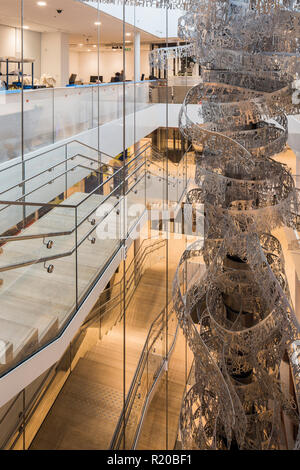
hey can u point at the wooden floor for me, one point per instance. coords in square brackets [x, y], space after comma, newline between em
[86, 411]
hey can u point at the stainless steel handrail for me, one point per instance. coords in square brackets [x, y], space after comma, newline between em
[100, 152]
[119, 171]
[142, 254]
[46, 235]
[149, 393]
[49, 170]
[75, 247]
[184, 393]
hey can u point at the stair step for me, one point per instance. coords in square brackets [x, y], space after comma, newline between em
[6, 351]
[83, 404]
[46, 325]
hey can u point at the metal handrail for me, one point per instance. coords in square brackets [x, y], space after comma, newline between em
[33, 404]
[115, 442]
[46, 235]
[75, 247]
[100, 152]
[121, 169]
[49, 170]
[149, 393]
[184, 394]
[78, 244]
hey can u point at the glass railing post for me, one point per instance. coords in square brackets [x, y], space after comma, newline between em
[121, 299]
[53, 126]
[147, 366]
[76, 258]
[145, 185]
[66, 168]
[54, 118]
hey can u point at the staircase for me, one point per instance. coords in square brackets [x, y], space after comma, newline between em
[36, 304]
[93, 394]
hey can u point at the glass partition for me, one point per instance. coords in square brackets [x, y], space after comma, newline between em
[87, 172]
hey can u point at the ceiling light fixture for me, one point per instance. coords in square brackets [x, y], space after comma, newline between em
[25, 27]
[97, 23]
[128, 34]
[41, 4]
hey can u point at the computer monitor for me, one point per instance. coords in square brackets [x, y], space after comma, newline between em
[72, 79]
[95, 78]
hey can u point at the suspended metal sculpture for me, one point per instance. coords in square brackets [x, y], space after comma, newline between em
[237, 316]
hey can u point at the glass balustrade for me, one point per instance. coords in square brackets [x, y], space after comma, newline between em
[64, 245]
[55, 114]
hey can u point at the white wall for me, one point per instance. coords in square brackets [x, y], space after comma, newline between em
[74, 63]
[7, 41]
[10, 46]
[85, 64]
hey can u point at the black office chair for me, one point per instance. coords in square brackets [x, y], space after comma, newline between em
[143, 77]
[72, 79]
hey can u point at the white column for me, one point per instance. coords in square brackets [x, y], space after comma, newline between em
[55, 56]
[137, 56]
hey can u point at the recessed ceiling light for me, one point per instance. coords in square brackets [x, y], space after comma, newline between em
[128, 34]
[41, 4]
[94, 45]
[25, 27]
[80, 45]
[89, 50]
[97, 23]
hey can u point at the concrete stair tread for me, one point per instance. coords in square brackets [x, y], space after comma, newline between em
[6, 351]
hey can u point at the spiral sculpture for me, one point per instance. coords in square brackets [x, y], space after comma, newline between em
[236, 311]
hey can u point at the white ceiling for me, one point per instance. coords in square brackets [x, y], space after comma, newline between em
[76, 19]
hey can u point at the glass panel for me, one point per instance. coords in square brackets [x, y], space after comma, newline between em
[10, 417]
[10, 114]
[48, 231]
[31, 314]
[98, 238]
[73, 111]
[110, 96]
[38, 119]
